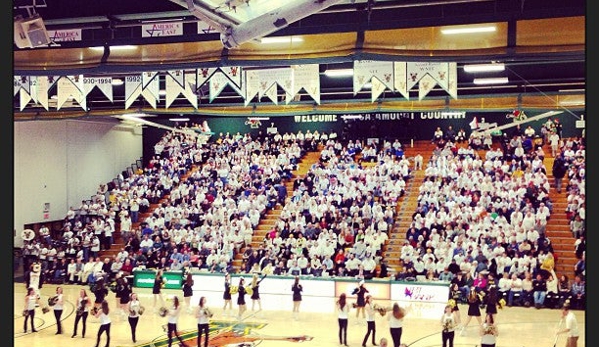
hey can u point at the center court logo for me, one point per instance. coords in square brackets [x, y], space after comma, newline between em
[224, 333]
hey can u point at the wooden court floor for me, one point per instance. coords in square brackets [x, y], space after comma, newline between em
[518, 326]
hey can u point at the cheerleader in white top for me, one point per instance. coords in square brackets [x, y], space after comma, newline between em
[105, 322]
[31, 299]
[488, 332]
[57, 302]
[342, 318]
[134, 310]
[396, 323]
[81, 312]
[173, 317]
[203, 314]
[449, 321]
[370, 320]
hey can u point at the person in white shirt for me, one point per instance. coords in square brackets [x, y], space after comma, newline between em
[488, 332]
[203, 315]
[370, 320]
[173, 317]
[571, 327]
[395, 320]
[58, 306]
[342, 308]
[105, 323]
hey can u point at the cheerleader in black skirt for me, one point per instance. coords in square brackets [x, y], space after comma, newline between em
[474, 302]
[297, 289]
[256, 292]
[241, 298]
[360, 291]
[188, 291]
[492, 301]
[159, 282]
[454, 299]
[227, 297]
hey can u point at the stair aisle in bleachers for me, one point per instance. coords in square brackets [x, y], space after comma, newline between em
[406, 206]
[268, 221]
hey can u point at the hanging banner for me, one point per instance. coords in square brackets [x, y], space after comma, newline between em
[205, 28]
[162, 29]
[66, 35]
[271, 93]
[218, 82]
[33, 88]
[400, 82]
[132, 89]
[440, 74]
[43, 85]
[306, 77]
[377, 89]
[151, 87]
[21, 82]
[426, 84]
[102, 83]
[364, 70]
[176, 84]
[147, 77]
[452, 80]
[234, 74]
[24, 99]
[71, 86]
[250, 84]
[203, 75]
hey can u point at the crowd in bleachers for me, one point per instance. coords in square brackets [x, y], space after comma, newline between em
[477, 216]
[489, 216]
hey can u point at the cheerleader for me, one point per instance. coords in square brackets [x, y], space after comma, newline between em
[370, 320]
[159, 282]
[454, 298]
[342, 309]
[227, 296]
[188, 291]
[203, 315]
[100, 292]
[488, 332]
[360, 292]
[58, 306]
[173, 317]
[105, 323]
[124, 289]
[256, 292]
[492, 302]
[134, 309]
[241, 298]
[297, 289]
[82, 312]
[396, 324]
[31, 300]
[474, 302]
[449, 322]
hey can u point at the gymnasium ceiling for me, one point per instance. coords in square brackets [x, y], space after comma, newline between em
[541, 43]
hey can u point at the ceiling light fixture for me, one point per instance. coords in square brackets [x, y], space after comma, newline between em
[282, 39]
[572, 102]
[578, 90]
[493, 80]
[484, 67]
[114, 48]
[180, 119]
[258, 118]
[117, 82]
[469, 30]
[339, 73]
